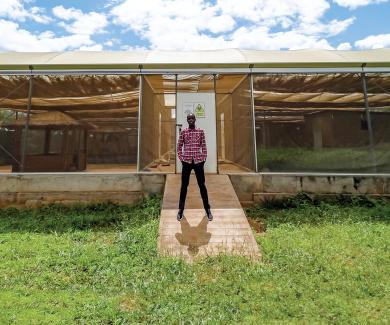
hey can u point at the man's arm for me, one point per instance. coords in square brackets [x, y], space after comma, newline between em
[180, 146]
[203, 145]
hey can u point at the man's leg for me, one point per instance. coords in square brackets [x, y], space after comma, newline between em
[185, 179]
[199, 172]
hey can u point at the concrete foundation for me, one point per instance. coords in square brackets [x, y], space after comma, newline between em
[253, 188]
[33, 190]
[68, 188]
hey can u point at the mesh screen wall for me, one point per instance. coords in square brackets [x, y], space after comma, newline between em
[157, 151]
[378, 89]
[13, 106]
[80, 123]
[311, 123]
[235, 124]
[303, 122]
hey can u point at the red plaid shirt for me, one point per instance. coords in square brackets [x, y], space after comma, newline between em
[194, 143]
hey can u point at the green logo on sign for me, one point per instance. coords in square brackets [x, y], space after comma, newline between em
[199, 110]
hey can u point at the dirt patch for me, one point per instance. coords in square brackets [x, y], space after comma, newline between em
[258, 226]
[128, 304]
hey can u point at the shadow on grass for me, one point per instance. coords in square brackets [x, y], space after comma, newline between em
[95, 217]
[304, 209]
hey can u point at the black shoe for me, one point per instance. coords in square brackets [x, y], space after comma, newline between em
[209, 215]
[180, 215]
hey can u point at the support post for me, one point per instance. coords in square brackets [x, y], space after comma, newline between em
[176, 138]
[26, 125]
[253, 121]
[369, 124]
[139, 121]
[216, 117]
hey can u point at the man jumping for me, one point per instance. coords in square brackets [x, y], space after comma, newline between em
[192, 152]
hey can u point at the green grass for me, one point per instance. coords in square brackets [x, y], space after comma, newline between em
[323, 262]
[297, 159]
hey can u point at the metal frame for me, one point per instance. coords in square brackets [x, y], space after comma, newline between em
[176, 139]
[216, 118]
[250, 71]
[139, 122]
[24, 140]
[321, 70]
[248, 173]
[324, 174]
[369, 124]
[245, 70]
[253, 122]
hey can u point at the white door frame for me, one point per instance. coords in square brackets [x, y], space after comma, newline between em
[186, 100]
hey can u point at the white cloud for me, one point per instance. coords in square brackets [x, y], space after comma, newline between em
[174, 24]
[78, 22]
[14, 9]
[221, 24]
[353, 4]
[331, 28]
[81, 27]
[18, 39]
[66, 14]
[38, 14]
[110, 3]
[344, 47]
[183, 41]
[196, 15]
[263, 10]
[197, 24]
[185, 25]
[261, 38]
[374, 42]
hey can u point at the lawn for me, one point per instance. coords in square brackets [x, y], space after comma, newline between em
[323, 262]
[299, 159]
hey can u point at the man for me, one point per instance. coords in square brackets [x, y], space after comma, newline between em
[192, 152]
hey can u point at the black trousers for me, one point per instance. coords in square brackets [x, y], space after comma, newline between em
[185, 179]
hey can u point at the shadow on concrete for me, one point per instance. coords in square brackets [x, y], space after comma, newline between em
[193, 237]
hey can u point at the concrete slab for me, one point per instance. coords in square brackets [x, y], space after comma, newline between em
[194, 236]
[34, 189]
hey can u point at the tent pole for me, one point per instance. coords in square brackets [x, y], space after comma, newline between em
[216, 115]
[24, 140]
[369, 124]
[176, 135]
[253, 122]
[141, 78]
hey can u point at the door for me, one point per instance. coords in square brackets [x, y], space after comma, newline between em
[203, 106]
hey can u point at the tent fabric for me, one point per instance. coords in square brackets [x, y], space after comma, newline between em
[230, 58]
[47, 119]
[118, 95]
[74, 101]
[325, 97]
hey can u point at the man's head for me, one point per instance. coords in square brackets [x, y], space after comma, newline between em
[191, 120]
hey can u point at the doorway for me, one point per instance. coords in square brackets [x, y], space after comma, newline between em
[203, 106]
[223, 108]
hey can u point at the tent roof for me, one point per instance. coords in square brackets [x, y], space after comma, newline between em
[47, 119]
[230, 58]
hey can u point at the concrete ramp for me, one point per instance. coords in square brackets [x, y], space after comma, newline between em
[229, 232]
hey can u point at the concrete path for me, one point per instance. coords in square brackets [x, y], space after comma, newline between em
[229, 232]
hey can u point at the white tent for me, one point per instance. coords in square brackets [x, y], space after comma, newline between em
[230, 58]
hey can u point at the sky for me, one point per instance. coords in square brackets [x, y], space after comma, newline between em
[185, 25]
